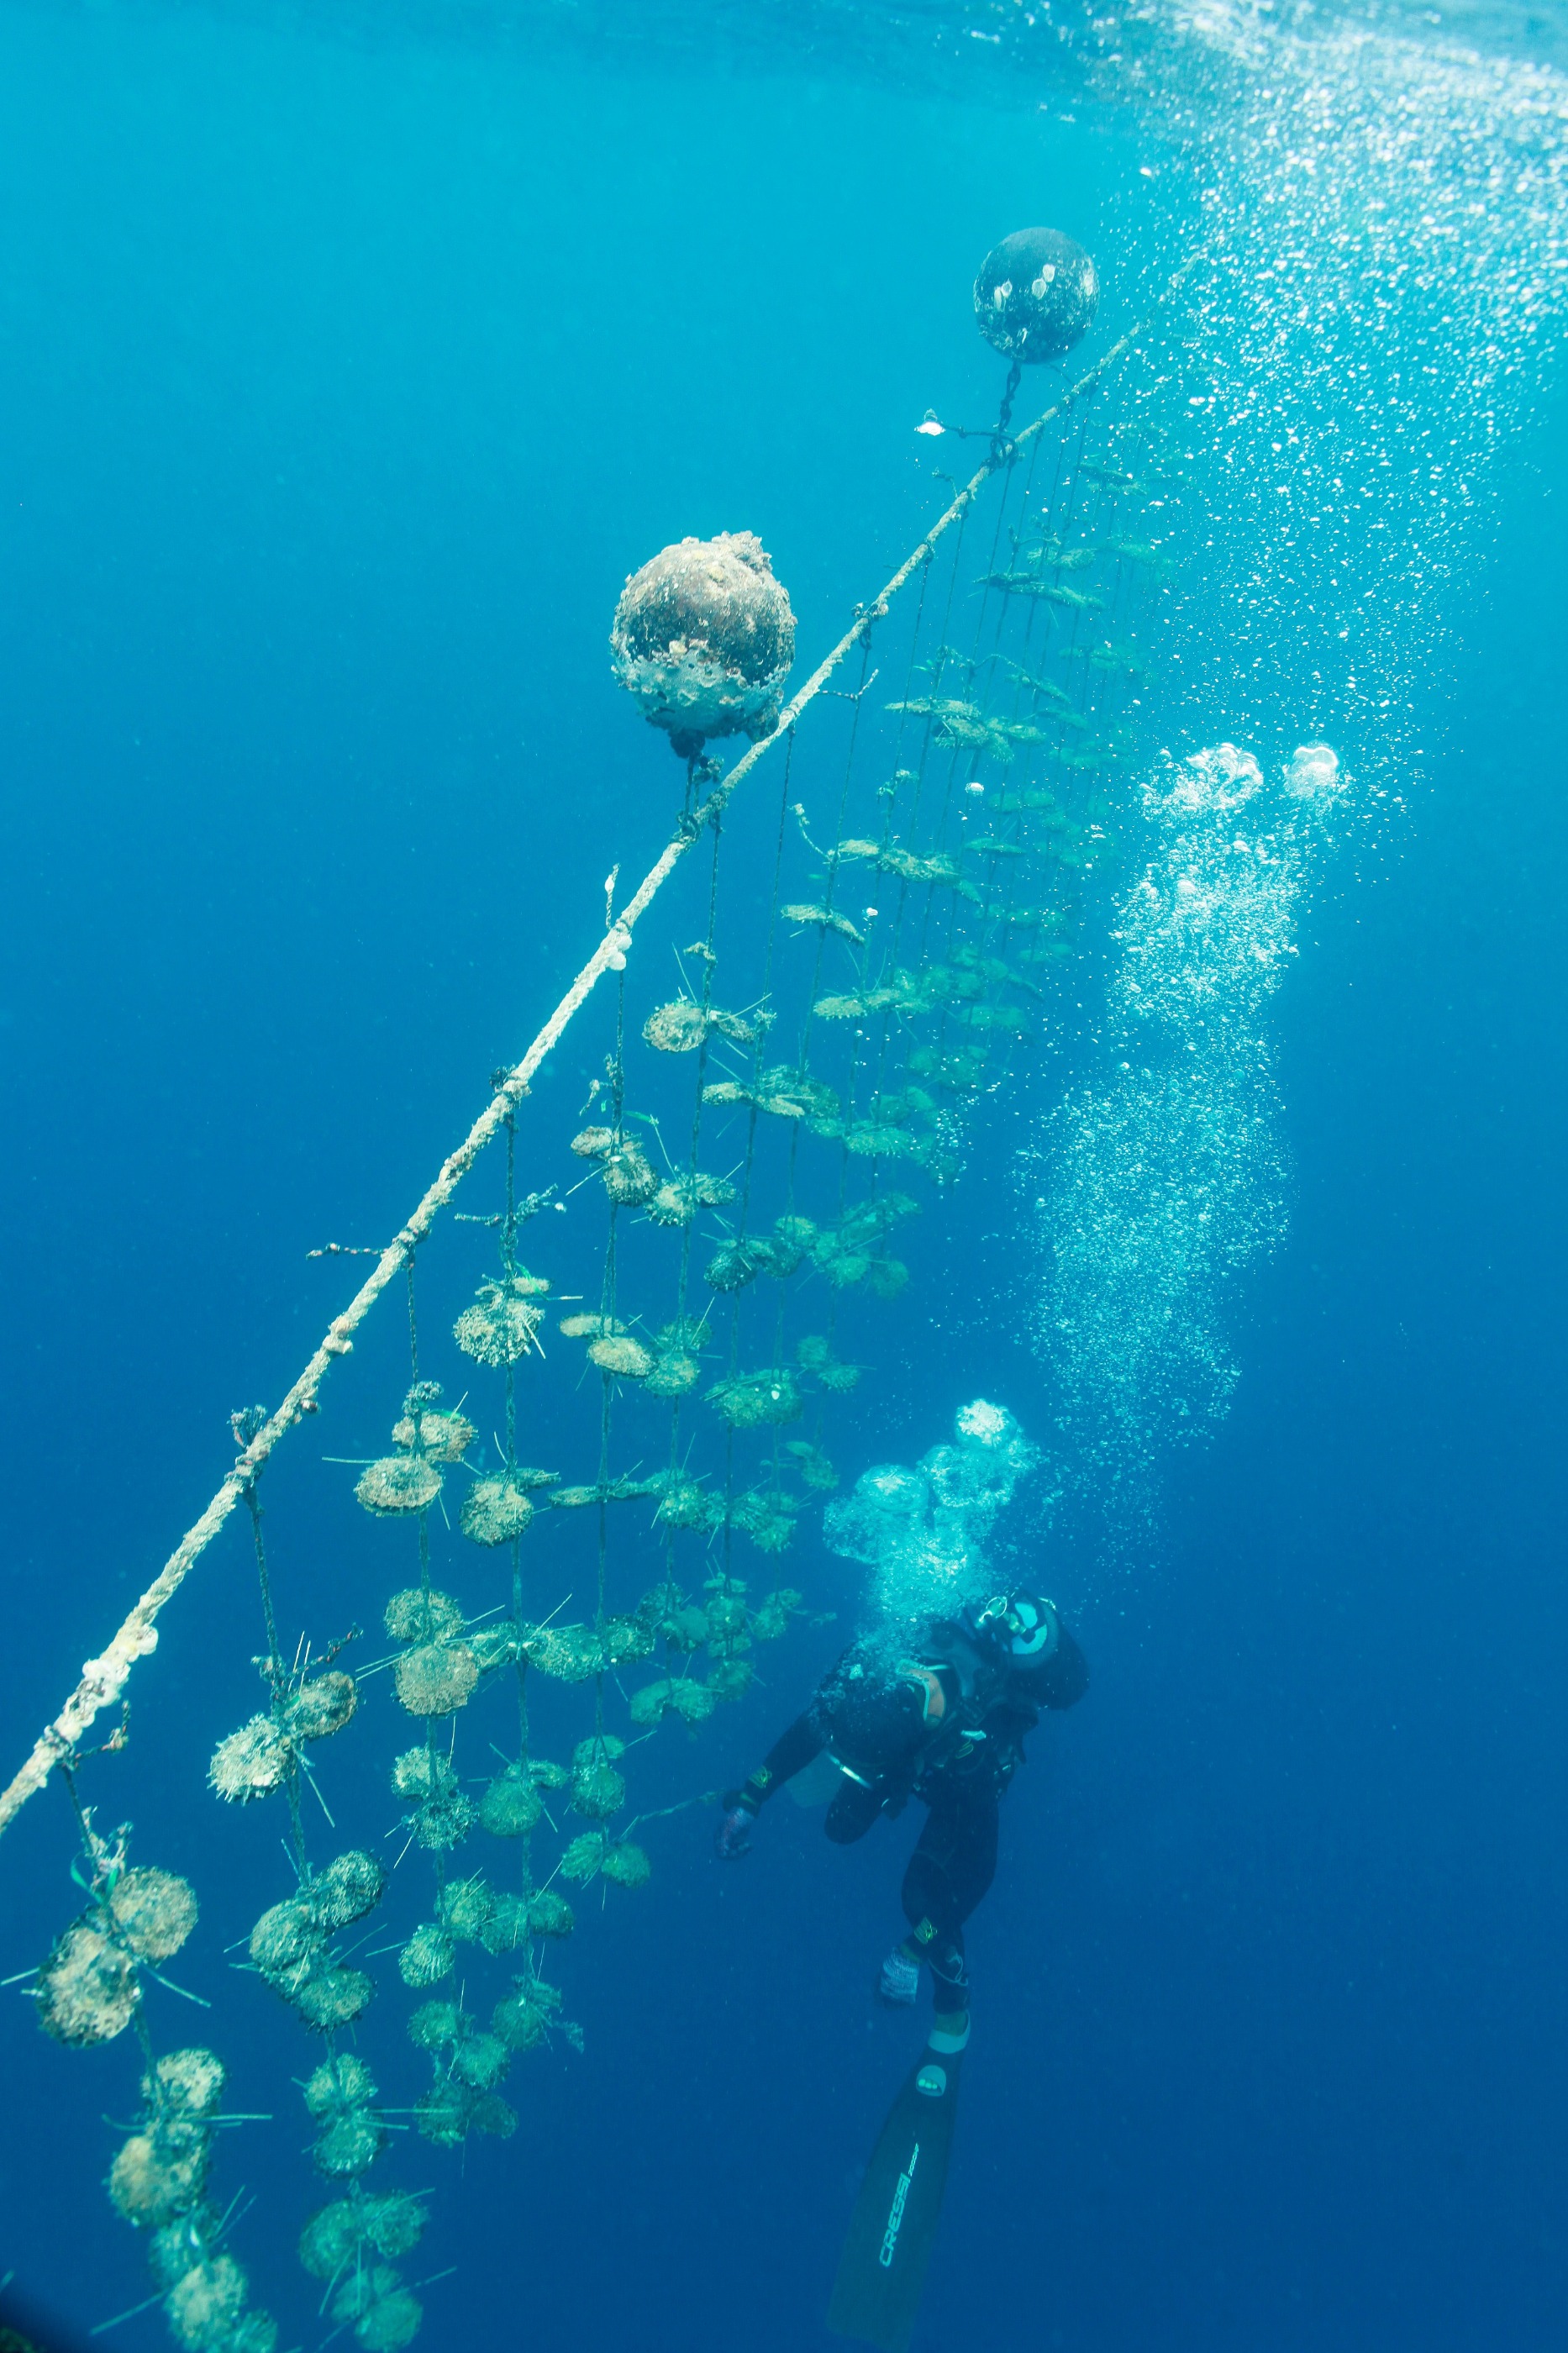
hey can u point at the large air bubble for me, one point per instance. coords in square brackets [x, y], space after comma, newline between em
[924, 1531]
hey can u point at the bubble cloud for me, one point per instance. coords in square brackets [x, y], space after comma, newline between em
[1166, 1173]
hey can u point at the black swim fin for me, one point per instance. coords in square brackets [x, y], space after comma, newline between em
[882, 2269]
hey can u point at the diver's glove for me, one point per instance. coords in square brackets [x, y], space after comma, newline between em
[733, 1839]
[898, 1986]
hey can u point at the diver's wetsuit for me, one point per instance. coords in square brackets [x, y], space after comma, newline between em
[948, 1726]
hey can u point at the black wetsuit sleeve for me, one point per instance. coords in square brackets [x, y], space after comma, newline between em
[789, 1755]
[1064, 1679]
[1060, 1682]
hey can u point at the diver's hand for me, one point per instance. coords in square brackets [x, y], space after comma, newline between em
[733, 1839]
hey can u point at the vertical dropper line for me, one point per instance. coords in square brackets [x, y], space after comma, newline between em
[729, 1507]
[67, 1765]
[910, 667]
[1074, 495]
[1004, 600]
[944, 650]
[1007, 602]
[275, 1677]
[603, 1481]
[734, 1363]
[417, 1413]
[959, 757]
[684, 1278]
[770, 944]
[889, 815]
[1068, 521]
[939, 667]
[986, 592]
[1048, 530]
[822, 935]
[1050, 505]
[519, 1664]
[768, 948]
[828, 900]
[838, 838]
[909, 680]
[751, 1118]
[1128, 594]
[509, 1270]
[508, 1223]
[865, 973]
[902, 905]
[772, 940]
[607, 1310]
[683, 1273]
[274, 1658]
[425, 1554]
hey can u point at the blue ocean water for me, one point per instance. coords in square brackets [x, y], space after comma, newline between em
[352, 360]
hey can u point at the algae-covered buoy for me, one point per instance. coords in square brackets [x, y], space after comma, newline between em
[1036, 296]
[704, 639]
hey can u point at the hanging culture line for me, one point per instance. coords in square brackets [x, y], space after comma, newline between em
[104, 1677]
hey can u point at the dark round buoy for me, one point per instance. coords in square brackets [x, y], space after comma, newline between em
[1036, 295]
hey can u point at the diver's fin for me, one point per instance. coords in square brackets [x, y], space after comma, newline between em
[882, 2269]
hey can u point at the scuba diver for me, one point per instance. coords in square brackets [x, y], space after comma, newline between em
[947, 1725]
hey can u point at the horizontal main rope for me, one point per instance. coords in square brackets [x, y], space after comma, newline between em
[104, 1678]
